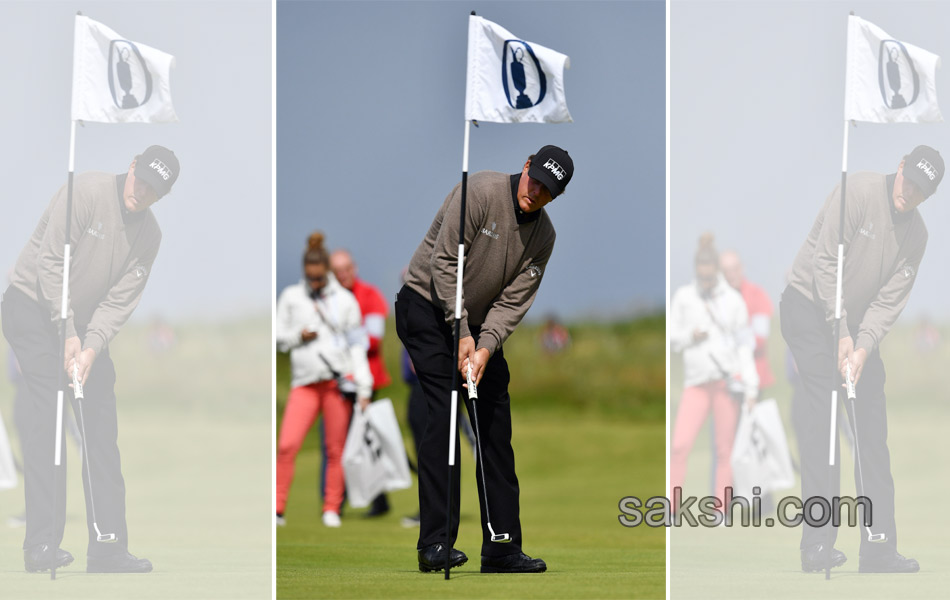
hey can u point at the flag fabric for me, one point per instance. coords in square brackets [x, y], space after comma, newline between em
[510, 80]
[119, 81]
[888, 81]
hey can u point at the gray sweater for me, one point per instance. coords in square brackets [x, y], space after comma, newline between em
[882, 254]
[110, 265]
[504, 261]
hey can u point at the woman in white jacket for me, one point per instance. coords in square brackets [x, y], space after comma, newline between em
[319, 323]
[709, 324]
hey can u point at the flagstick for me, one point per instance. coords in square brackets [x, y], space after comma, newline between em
[833, 429]
[453, 416]
[64, 308]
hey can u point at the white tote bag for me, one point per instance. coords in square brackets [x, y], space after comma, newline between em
[760, 456]
[374, 457]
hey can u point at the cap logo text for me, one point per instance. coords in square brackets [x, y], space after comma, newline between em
[556, 169]
[927, 168]
[160, 168]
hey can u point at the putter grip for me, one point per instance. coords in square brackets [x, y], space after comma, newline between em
[77, 386]
[472, 391]
[850, 383]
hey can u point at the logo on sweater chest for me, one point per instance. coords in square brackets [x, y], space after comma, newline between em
[491, 233]
[97, 232]
[868, 231]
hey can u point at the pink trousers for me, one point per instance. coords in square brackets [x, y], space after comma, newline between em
[304, 403]
[694, 407]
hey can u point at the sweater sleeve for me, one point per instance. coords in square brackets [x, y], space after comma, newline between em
[825, 265]
[444, 258]
[116, 308]
[892, 298]
[514, 301]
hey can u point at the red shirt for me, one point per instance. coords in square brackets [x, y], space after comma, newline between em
[759, 306]
[374, 310]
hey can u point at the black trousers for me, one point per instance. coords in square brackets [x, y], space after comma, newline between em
[35, 341]
[428, 339]
[810, 340]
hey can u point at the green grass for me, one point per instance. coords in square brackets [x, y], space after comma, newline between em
[195, 436]
[759, 562]
[588, 431]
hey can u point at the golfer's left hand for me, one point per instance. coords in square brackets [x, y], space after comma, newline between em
[857, 363]
[84, 361]
[478, 366]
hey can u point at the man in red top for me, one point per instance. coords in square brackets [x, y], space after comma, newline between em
[759, 306]
[374, 310]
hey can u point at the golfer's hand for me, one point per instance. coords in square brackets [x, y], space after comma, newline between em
[478, 366]
[466, 353]
[72, 350]
[84, 361]
[857, 363]
[845, 356]
[306, 335]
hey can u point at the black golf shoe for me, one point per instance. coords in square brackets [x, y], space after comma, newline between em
[432, 558]
[117, 563]
[891, 563]
[814, 558]
[513, 563]
[40, 558]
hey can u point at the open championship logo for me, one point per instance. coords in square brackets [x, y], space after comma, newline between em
[896, 75]
[521, 71]
[128, 69]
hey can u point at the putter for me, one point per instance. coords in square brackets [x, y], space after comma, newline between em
[501, 538]
[105, 538]
[876, 538]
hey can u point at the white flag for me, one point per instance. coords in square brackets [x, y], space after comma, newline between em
[510, 80]
[119, 81]
[888, 81]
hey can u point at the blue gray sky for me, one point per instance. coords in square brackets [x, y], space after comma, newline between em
[756, 130]
[370, 101]
[215, 259]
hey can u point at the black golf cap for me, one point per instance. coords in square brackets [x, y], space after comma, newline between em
[157, 166]
[924, 167]
[554, 168]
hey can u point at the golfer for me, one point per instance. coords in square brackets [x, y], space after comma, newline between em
[508, 239]
[319, 323]
[884, 242]
[114, 239]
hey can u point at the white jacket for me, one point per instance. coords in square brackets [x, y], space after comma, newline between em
[341, 341]
[729, 346]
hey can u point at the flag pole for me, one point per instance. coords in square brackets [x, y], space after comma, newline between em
[64, 309]
[453, 416]
[839, 275]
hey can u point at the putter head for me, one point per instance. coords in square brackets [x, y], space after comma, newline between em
[501, 538]
[104, 538]
[876, 538]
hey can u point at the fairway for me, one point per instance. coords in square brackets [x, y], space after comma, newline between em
[195, 438]
[760, 562]
[577, 455]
